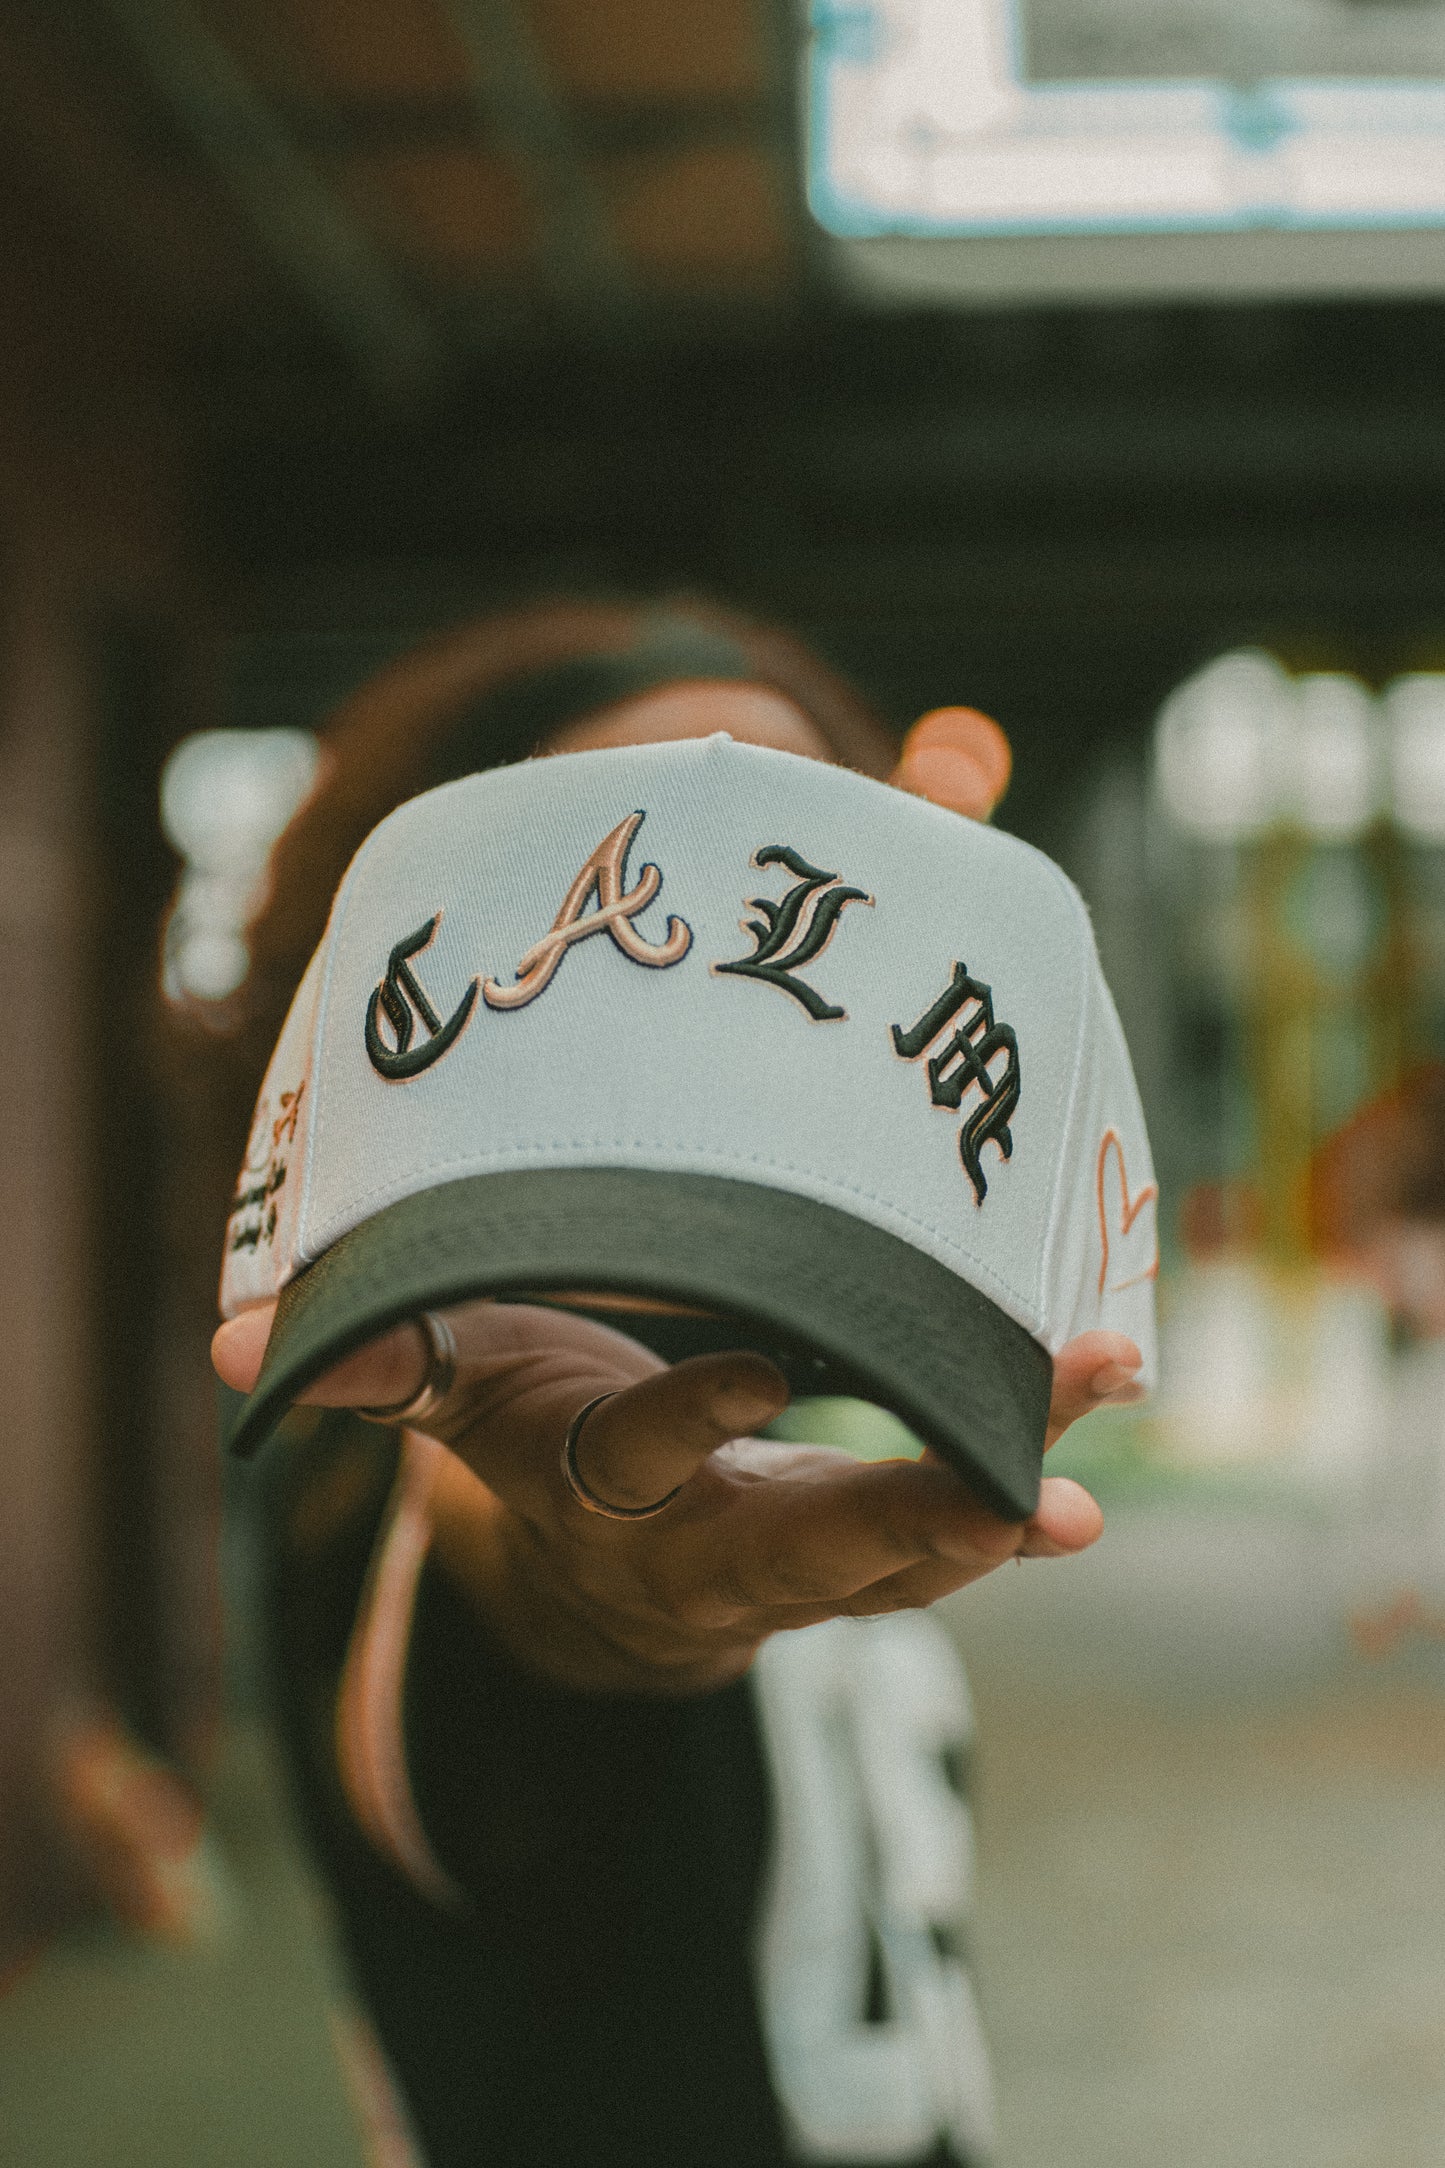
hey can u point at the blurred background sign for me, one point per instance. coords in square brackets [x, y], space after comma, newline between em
[1302, 146]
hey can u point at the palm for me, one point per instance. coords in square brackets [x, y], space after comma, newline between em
[761, 1538]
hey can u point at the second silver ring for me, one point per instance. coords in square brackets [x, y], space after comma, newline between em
[582, 1490]
[441, 1376]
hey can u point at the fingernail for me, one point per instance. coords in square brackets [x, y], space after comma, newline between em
[1109, 1377]
[1044, 1547]
[740, 1412]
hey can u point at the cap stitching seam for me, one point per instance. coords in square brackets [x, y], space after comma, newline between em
[1078, 911]
[1066, 1135]
[331, 941]
[695, 1160]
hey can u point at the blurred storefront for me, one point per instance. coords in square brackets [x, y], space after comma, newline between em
[1268, 883]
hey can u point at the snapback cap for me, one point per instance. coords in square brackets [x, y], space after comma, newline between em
[823, 1064]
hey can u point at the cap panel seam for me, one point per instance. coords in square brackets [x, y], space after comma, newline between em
[1064, 1164]
[331, 943]
[698, 1161]
[1065, 1103]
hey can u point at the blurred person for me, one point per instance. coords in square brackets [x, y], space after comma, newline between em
[541, 1764]
[1377, 1200]
[135, 1828]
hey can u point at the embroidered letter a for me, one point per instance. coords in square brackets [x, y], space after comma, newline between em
[605, 872]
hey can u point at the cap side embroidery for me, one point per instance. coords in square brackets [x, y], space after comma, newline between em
[402, 999]
[604, 873]
[1129, 1210]
[263, 1174]
[961, 1065]
[795, 931]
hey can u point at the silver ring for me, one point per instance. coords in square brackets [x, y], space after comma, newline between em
[441, 1376]
[582, 1491]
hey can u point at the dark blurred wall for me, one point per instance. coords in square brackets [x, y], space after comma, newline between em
[1054, 514]
[91, 536]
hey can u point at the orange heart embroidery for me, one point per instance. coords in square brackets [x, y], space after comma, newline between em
[1129, 1210]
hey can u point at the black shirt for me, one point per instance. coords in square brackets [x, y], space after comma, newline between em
[591, 1999]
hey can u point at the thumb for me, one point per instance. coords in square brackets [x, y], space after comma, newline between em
[238, 1346]
[380, 1375]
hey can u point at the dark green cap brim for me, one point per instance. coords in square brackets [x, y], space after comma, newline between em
[844, 1306]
